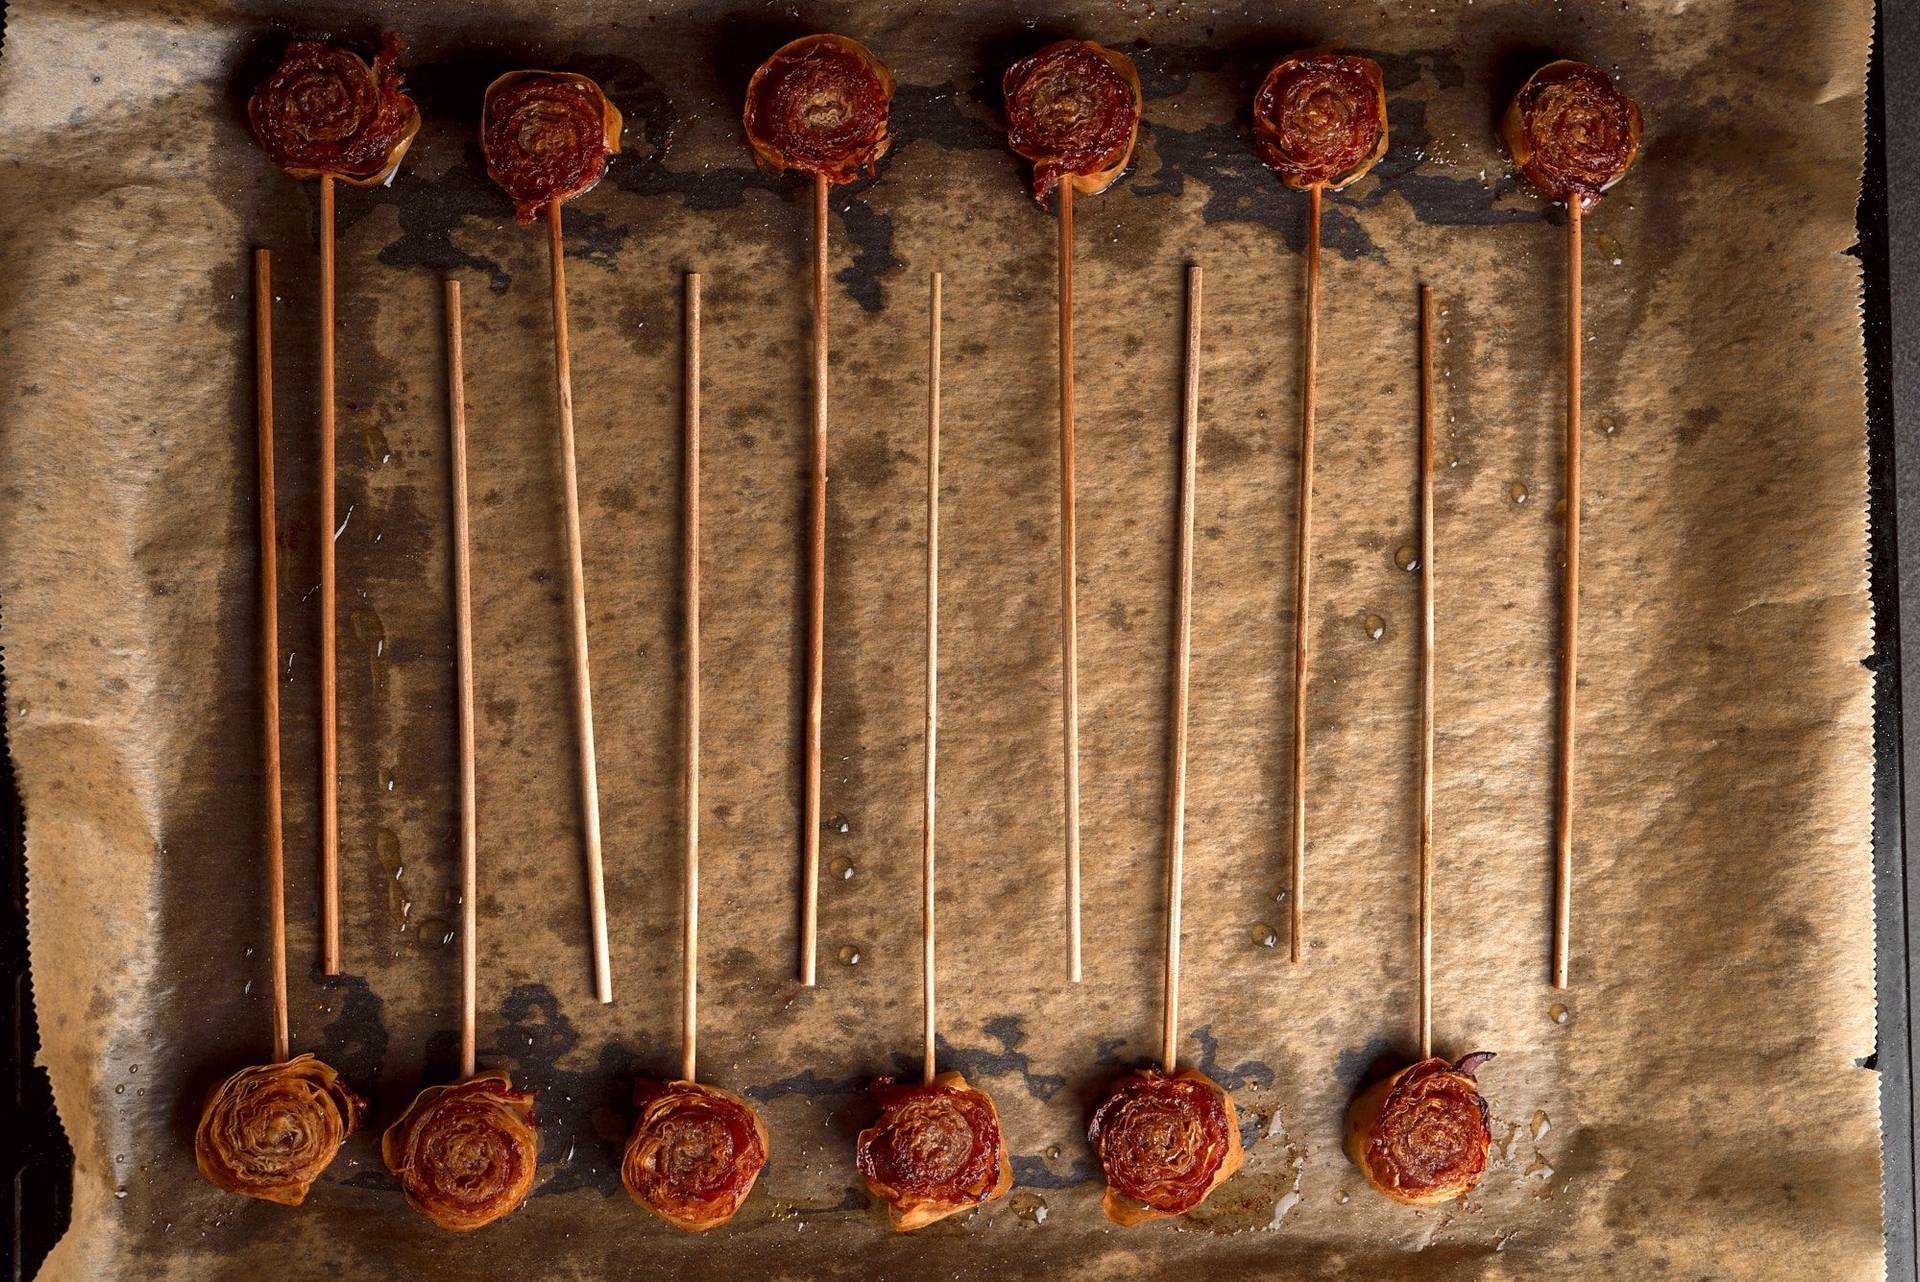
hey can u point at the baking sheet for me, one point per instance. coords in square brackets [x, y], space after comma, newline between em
[1700, 1112]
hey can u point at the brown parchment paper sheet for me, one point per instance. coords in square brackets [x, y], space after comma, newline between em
[1699, 1114]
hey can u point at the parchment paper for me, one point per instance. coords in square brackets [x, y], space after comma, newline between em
[1701, 1112]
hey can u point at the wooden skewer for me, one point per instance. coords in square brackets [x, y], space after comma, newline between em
[1569, 620]
[1302, 612]
[1426, 671]
[577, 594]
[463, 664]
[1182, 649]
[690, 881]
[270, 642]
[933, 667]
[1069, 614]
[816, 598]
[329, 672]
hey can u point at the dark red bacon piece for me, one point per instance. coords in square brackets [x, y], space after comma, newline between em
[694, 1154]
[1421, 1136]
[270, 1130]
[325, 113]
[1073, 109]
[819, 105]
[546, 136]
[1571, 132]
[1165, 1141]
[1320, 119]
[933, 1150]
[465, 1154]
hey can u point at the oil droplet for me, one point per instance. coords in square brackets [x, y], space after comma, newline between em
[1279, 896]
[841, 869]
[1538, 1168]
[849, 955]
[121, 1089]
[1609, 425]
[120, 1193]
[1264, 936]
[1053, 1151]
[1407, 557]
[1540, 1125]
[1559, 1013]
[1609, 248]
[133, 1068]
[1559, 507]
[839, 824]
[1340, 1196]
[368, 627]
[390, 781]
[377, 449]
[1517, 492]
[1376, 626]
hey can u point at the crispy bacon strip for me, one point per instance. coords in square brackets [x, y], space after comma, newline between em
[1320, 119]
[694, 1153]
[1165, 1142]
[325, 112]
[1421, 1136]
[933, 1150]
[819, 105]
[546, 136]
[1073, 109]
[1571, 132]
[465, 1154]
[269, 1131]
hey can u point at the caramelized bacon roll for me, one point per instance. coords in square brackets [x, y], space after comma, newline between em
[1320, 119]
[819, 105]
[1421, 1135]
[694, 1153]
[465, 1154]
[1073, 109]
[1571, 132]
[326, 113]
[269, 1131]
[933, 1150]
[1165, 1141]
[546, 136]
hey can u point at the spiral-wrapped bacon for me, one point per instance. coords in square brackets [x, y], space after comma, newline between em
[934, 1150]
[1571, 132]
[1165, 1141]
[694, 1153]
[465, 1154]
[1421, 1136]
[270, 1130]
[819, 105]
[546, 136]
[1320, 119]
[326, 113]
[1073, 109]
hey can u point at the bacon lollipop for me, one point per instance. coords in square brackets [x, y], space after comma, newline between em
[465, 1154]
[820, 106]
[326, 114]
[1573, 135]
[1421, 1136]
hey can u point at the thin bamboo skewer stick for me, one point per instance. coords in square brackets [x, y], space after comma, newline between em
[1069, 613]
[1426, 671]
[1310, 364]
[270, 643]
[1183, 645]
[933, 670]
[329, 671]
[463, 664]
[816, 599]
[690, 884]
[1569, 621]
[577, 593]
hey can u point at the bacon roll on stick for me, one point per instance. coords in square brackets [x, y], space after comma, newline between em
[1167, 1138]
[695, 1150]
[325, 114]
[270, 1131]
[464, 1153]
[1073, 109]
[1320, 122]
[818, 106]
[1573, 135]
[546, 136]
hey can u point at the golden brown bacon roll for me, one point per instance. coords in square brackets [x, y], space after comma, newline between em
[1320, 119]
[1571, 132]
[546, 136]
[1165, 1142]
[1421, 1135]
[694, 1153]
[933, 1150]
[465, 1154]
[327, 113]
[1073, 109]
[819, 105]
[269, 1131]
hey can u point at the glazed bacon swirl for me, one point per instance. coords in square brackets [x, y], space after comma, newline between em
[933, 1150]
[1571, 132]
[819, 105]
[1165, 1141]
[1320, 119]
[327, 113]
[269, 1131]
[546, 136]
[1421, 1136]
[1073, 109]
[694, 1153]
[465, 1154]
